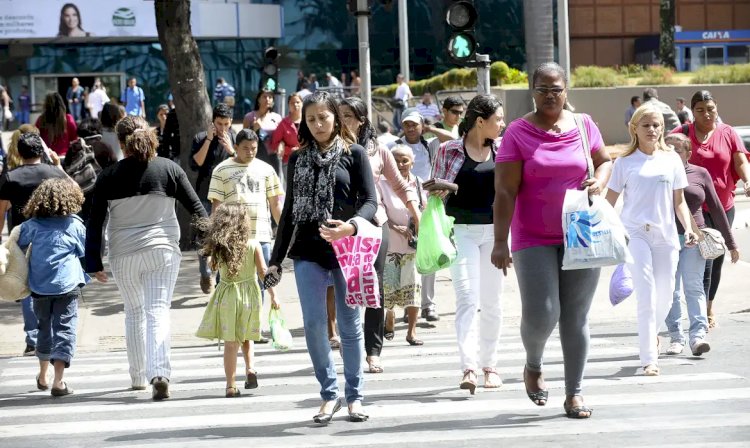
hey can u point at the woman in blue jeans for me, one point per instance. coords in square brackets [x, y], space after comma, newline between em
[329, 182]
[691, 266]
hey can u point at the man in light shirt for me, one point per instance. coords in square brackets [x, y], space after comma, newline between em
[681, 107]
[428, 108]
[97, 99]
[400, 101]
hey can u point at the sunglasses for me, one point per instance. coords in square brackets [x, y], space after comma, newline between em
[555, 91]
[456, 111]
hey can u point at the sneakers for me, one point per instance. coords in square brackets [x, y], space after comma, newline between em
[29, 351]
[160, 388]
[699, 347]
[675, 348]
[430, 315]
[207, 284]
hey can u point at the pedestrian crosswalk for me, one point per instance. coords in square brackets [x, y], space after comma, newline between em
[416, 401]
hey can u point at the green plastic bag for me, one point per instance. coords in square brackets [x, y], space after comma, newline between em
[281, 336]
[436, 249]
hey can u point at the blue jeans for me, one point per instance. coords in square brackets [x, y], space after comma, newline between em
[690, 273]
[312, 282]
[58, 318]
[30, 323]
[75, 111]
[203, 266]
[23, 116]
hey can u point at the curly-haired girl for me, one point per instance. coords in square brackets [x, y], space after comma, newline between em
[233, 312]
[55, 273]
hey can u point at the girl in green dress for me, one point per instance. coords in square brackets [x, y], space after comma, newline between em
[233, 312]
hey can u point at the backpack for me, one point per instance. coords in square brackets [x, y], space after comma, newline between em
[81, 165]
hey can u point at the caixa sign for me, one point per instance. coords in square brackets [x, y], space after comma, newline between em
[712, 36]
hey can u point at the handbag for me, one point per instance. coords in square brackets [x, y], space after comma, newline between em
[712, 246]
[593, 234]
[14, 269]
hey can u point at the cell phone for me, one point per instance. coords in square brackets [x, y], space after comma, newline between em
[271, 280]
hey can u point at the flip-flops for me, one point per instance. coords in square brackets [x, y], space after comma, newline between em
[414, 341]
[56, 392]
[232, 392]
[41, 386]
[251, 382]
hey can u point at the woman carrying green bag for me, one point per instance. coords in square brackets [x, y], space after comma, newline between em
[470, 163]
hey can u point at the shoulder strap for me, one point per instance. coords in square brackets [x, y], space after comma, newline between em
[586, 146]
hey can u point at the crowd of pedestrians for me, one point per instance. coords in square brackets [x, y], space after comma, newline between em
[321, 173]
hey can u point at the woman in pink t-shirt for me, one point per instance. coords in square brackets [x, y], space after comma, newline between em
[540, 157]
[718, 149]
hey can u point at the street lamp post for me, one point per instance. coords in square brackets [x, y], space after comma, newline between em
[563, 35]
[403, 39]
[363, 29]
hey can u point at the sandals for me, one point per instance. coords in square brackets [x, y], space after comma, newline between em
[389, 334]
[539, 397]
[492, 379]
[251, 382]
[374, 367]
[651, 370]
[325, 418]
[469, 381]
[576, 411]
[232, 392]
[335, 343]
[358, 416]
[414, 341]
[56, 392]
[41, 386]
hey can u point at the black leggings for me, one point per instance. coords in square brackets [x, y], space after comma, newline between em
[712, 274]
[375, 317]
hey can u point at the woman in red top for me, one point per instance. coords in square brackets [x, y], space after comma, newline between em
[284, 139]
[718, 149]
[56, 127]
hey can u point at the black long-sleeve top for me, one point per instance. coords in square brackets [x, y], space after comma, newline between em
[140, 197]
[354, 195]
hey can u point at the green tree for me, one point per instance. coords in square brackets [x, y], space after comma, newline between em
[666, 36]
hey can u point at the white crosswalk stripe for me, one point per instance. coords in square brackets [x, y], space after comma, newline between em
[412, 402]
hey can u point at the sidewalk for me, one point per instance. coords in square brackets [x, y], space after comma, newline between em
[102, 321]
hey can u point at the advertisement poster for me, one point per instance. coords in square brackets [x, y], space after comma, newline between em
[81, 19]
[356, 256]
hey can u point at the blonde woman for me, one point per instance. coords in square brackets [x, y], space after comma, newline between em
[652, 179]
[12, 158]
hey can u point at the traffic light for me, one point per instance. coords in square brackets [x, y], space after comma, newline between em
[461, 16]
[270, 76]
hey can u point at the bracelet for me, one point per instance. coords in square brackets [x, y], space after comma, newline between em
[209, 140]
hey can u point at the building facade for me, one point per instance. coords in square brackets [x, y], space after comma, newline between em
[620, 32]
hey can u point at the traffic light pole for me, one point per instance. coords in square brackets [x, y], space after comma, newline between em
[363, 29]
[483, 73]
[403, 39]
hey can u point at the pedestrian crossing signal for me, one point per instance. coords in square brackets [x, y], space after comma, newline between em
[461, 15]
[270, 76]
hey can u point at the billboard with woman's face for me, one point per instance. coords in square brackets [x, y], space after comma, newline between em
[44, 19]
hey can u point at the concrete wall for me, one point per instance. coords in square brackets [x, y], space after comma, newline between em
[607, 105]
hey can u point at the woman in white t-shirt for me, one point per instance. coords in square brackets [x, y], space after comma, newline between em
[651, 177]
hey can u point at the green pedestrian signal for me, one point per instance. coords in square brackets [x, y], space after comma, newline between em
[270, 85]
[461, 15]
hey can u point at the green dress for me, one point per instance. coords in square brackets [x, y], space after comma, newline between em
[233, 312]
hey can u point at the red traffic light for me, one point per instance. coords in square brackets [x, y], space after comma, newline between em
[461, 15]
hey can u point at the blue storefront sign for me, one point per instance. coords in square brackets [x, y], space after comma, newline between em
[698, 48]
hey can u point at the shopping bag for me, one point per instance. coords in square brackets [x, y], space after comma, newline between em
[281, 336]
[620, 285]
[356, 256]
[593, 233]
[436, 249]
[14, 269]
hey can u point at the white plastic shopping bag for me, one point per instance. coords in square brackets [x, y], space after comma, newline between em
[593, 233]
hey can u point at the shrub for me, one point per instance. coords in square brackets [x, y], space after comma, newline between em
[657, 75]
[594, 76]
[499, 73]
[722, 74]
[630, 70]
[458, 78]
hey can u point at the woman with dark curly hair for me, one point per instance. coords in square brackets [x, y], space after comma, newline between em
[56, 127]
[144, 254]
[354, 116]
[55, 274]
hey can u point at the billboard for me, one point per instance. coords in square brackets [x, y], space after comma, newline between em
[80, 19]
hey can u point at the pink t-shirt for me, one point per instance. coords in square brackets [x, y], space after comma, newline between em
[552, 164]
[717, 156]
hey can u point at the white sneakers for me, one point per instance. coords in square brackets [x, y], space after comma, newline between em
[675, 348]
[699, 347]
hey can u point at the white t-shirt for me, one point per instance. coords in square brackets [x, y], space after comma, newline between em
[648, 184]
[403, 92]
[97, 99]
[386, 139]
[422, 165]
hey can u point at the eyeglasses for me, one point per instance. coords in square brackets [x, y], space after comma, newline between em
[456, 111]
[544, 91]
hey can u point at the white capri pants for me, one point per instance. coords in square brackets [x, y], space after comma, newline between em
[146, 280]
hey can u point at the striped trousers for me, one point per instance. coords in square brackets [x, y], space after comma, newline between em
[146, 280]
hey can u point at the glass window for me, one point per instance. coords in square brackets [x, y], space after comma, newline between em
[737, 54]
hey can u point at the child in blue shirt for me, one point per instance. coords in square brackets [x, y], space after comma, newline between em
[57, 239]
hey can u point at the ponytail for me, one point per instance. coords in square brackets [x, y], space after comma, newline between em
[141, 145]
